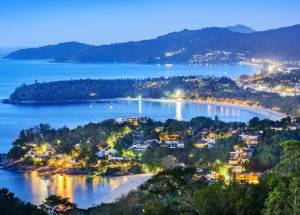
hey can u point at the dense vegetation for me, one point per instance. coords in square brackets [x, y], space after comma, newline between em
[187, 46]
[192, 87]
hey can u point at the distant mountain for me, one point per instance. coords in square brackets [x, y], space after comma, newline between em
[6, 50]
[240, 29]
[208, 45]
[49, 52]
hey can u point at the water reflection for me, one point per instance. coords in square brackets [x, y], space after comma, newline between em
[179, 111]
[140, 106]
[83, 190]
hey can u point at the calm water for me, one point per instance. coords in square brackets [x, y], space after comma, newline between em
[85, 191]
[82, 189]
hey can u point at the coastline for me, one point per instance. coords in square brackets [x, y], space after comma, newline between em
[248, 107]
[132, 183]
[52, 170]
[278, 115]
[104, 189]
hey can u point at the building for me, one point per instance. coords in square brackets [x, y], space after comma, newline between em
[159, 129]
[169, 137]
[250, 178]
[131, 120]
[110, 152]
[174, 144]
[101, 153]
[200, 144]
[112, 159]
[250, 139]
[140, 147]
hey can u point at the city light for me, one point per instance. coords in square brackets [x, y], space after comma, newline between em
[179, 94]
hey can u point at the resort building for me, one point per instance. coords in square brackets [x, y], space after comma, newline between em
[169, 137]
[174, 144]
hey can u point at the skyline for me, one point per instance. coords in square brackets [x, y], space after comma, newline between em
[35, 23]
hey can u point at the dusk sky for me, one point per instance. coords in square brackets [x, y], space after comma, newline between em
[39, 22]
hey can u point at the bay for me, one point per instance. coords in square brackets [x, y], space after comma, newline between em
[14, 118]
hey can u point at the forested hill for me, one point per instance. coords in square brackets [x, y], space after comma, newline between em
[208, 45]
[79, 90]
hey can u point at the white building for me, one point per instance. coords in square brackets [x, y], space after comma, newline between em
[174, 144]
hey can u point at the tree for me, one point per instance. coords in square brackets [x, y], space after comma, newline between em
[284, 182]
[254, 122]
[169, 162]
[11, 205]
[57, 205]
[154, 207]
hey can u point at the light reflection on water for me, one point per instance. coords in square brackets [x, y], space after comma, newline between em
[83, 190]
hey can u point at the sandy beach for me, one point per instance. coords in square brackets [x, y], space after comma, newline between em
[124, 184]
[275, 115]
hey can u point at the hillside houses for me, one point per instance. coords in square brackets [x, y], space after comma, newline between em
[240, 156]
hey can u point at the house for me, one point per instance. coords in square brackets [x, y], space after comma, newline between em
[293, 127]
[277, 128]
[159, 129]
[140, 147]
[150, 142]
[250, 178]
[110, 152]
[174, 144]
[131, 120]
[101, 153]
[202, 133]
[169, 137]
[211, 143]
[237, 168]
[200, 144]
[118, 159]
[250, 139]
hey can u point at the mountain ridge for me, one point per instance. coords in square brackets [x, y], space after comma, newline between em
[207, 45]
[239, 28]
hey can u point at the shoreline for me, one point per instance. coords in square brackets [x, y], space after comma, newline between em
[48, 171]
[277, 114]
[116, 186]
[244, 106]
